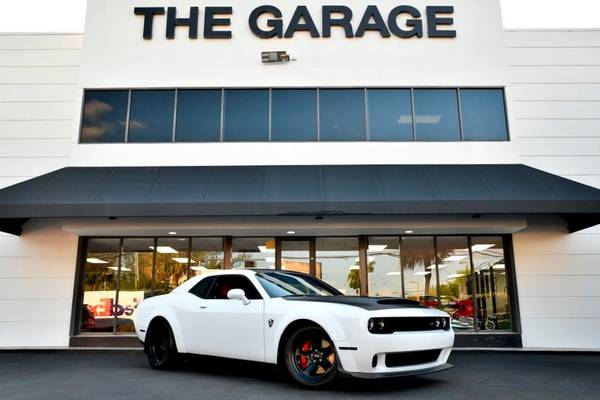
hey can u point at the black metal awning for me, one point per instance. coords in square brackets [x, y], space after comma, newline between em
[298, 190]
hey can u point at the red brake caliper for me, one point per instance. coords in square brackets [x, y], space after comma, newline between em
[303, 357]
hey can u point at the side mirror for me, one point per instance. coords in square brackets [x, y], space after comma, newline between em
[238, 294]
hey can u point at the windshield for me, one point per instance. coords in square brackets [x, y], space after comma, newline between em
[281, 284]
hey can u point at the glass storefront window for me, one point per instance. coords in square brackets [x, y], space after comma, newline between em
[483, 115]
[251, 253]
[100, 285]
[198, 116]
[385, 276]
[342, 115]
[467, 277]
[436, 114]
[295, 256]
[135, 280]
[338, 261]
[151, 116]
[207, 255]
[293, 115]
[246, 115]
[417, 255]
[390, 115]
[492, 283]
[456, 289]
[172, 269]
[104, 116]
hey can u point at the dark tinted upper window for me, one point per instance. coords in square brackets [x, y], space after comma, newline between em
[151, 116]
[390, 115]
[294, 115]
[198, 116]
[246, 115]
[225, 283]
[436, 113]
[104, 116]
[201, 289]
[342, 115]
[483, 114]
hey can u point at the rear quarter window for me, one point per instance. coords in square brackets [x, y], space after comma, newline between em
[201, 289]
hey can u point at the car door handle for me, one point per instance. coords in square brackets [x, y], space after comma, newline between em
[202, 307]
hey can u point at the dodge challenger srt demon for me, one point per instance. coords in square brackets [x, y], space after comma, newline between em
[296, 322]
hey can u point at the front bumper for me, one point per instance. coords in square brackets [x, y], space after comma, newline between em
[356, 357]
[376, 375]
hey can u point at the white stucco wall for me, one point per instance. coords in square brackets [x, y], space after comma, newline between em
[554, 95]
[37, 273]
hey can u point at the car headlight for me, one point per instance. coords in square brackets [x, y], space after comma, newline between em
[376, 325]
[440, 323]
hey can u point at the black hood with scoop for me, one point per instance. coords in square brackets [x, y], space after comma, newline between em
[367, 303]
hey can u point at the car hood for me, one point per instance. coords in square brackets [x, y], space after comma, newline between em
[367, 303]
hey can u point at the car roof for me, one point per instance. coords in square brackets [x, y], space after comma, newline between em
[187, 285]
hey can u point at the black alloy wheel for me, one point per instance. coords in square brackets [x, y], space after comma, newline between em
[310, 357]
[160, 346]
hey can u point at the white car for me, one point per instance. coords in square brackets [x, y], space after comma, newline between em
[295, 321]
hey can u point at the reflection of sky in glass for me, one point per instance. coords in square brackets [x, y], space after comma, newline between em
[390, 115]
[151, 116]
[294, 115]
[198, 116]
[483, 114]
[104, 116]
[384, 260]
[342, 115]
[246, 115]
[437, 115]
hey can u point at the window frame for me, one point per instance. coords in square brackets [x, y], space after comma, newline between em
[507, 241]
[365, 89]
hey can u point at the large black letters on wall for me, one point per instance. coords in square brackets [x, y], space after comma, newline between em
[268, 22]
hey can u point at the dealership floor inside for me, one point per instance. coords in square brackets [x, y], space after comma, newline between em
[125, 374]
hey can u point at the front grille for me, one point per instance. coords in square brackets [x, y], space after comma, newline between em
[408, 324]
[405, 359]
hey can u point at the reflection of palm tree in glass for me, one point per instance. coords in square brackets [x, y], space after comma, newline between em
[412, 257]
[354, 275]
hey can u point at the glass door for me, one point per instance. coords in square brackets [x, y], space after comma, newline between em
[296, 254]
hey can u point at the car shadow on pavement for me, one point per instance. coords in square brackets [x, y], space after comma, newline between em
[224, 367]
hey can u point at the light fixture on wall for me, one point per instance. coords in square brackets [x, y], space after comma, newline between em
[291, 232]
[271, 57]
[409, 231]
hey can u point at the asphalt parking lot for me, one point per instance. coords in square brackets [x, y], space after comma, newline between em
[126, 375]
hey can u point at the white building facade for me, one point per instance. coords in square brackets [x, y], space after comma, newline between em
[162, 116]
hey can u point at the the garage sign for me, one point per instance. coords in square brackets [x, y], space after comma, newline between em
[267, 21]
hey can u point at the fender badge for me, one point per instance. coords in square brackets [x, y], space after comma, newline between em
[270, 323]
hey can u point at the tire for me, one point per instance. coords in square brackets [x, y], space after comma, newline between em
[310, 357]
[160, 346]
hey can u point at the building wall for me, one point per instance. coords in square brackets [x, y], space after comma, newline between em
[121, 58]
[37, 273]
[39, 75]
[554, 97]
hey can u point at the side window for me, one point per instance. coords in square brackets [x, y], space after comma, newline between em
[201, 289]
[224, 284]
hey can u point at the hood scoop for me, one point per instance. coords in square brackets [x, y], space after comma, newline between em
[396, 301]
